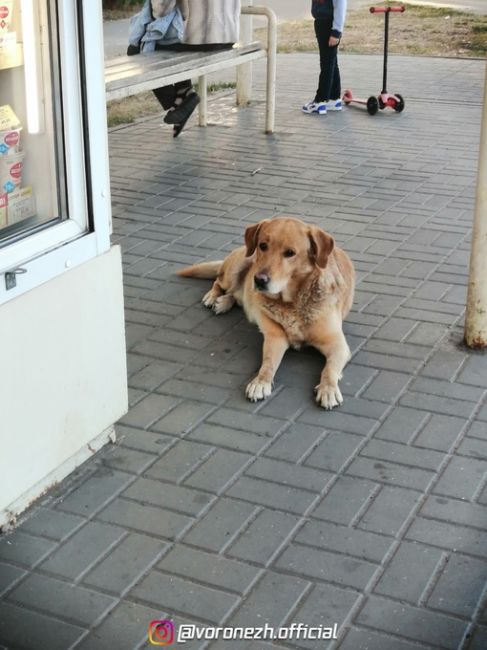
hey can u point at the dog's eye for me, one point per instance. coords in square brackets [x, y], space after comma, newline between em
[263, 246]
[289, 253]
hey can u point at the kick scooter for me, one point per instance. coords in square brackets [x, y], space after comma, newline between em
[384, 99]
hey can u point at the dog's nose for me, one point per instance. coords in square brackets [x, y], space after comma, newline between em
[261, 280]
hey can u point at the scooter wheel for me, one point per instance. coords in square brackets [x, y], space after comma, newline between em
[399, 107]
[372, 105]
[347, 97]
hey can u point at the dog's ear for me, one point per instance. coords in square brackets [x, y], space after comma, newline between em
[251, 237]
[321, 246]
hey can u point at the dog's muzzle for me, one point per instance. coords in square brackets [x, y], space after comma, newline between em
[261, 280]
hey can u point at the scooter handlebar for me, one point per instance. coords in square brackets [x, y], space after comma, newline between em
[383, 10]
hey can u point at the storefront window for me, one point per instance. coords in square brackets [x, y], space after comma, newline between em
[32, 167]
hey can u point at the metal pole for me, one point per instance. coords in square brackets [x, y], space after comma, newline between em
[386, 46]
[476, 316]
[244, 72]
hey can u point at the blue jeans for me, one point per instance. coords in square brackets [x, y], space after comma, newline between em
[329, 84]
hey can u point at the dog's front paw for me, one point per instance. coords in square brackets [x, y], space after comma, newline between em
[223, 303]
[209, 298]
[328, 395]
[258, 389]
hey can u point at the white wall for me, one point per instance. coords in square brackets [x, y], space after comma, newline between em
[64, 380]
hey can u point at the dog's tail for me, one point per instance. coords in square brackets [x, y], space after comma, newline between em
[205, 270]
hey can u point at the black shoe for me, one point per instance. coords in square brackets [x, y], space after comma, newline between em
[181, 114]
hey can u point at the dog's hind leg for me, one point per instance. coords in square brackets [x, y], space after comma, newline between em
[337, 353]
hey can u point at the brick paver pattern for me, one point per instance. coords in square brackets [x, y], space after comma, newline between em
[215, 511]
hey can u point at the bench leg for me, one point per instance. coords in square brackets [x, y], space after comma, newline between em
[203, 105]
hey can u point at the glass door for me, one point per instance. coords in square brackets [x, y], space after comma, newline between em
[32, 160]
[54, 180]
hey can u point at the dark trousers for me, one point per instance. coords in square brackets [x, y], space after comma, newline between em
[166, 95]
[329, 84]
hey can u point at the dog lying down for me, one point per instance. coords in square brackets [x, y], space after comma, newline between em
[297, 286]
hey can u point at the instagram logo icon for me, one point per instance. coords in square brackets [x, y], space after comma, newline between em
[161, 632]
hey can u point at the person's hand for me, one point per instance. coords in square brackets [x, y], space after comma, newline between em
[332, 41]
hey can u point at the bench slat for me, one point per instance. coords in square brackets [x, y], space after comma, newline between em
[143, 80]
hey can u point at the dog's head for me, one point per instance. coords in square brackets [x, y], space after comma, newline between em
[286, 250]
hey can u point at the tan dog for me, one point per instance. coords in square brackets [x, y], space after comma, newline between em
[297, 286]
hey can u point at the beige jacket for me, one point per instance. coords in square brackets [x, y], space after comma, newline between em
[211, 21]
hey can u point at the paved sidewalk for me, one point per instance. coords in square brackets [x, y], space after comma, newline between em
[214, 511]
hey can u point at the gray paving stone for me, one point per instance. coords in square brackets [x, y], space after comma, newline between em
[448, 536]
[179, 461]
[154, 374]
[473, 447]
[217, 528]
[295, 443]
[145, 518]
[176, 595]
[461, 478]
[73, 604]
[389, 510]
[436, 404]
[8, 575]
[23, 549]
[126, 562]
[147, 441]
[261, 540]
[384, 471]
[82, 550]
[440, 432]
[338, 421]
[343, 539]
[402, 454]
[149, 410]
[325, 605]
[41, 631]
[214, 474]
[345, 500]
[183, 418]
[334, 451]
[213, 434]
[209, 569]
[326, 566]
[455, 511]
[264, 426]
[165, 495]
[479, 639]
[365, 639]
[289, 499]
[410, 572]
[406, 621]
[93, 494]
[52, 524]
[288, 474]
[193, 391]
[401, 425]
[125, 627]
[460, 586]
[127, 460]
[271, 601]
[387, 386]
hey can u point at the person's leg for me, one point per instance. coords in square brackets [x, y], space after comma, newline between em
[329, 74]
[165, 96]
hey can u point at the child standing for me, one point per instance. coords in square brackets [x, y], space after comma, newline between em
[329, 18]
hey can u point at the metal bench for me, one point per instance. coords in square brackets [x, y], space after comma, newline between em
[130, 75]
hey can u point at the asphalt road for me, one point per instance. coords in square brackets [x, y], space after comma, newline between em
[116, 31]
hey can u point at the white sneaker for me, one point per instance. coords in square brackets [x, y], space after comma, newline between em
[315, 107]
[334, 104]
